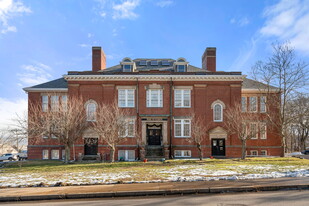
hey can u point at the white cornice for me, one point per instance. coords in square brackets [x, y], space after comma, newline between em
[154, 77]
[29, 89]
[260, 90]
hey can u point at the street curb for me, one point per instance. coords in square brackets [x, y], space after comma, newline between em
[213, 190]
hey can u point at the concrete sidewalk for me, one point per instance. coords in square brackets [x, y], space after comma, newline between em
[147, 189]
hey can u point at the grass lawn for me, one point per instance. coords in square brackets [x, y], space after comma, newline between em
[33, 173]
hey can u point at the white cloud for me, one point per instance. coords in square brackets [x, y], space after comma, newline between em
[125, 10]
[9, 109]
[288, 20]
[36, 73]
[164, 3]
[84, 45]
[240, 22]
[89, 35]
[8, 10]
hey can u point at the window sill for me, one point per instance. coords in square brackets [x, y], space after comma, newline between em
[126, 107]
[182, 136]
[218, 121]
[182, 107]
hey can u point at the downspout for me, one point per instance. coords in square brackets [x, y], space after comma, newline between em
[137, 119]
[74, 151]
[171, 113]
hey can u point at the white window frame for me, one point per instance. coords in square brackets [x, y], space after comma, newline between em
[252, 107]
[91, 117]
[64, 102]
[45, 103]
[54, 102]
[221, 113]
[159, 99]
[126, 69]
[182, 153]
[264, 151]
[184, 67]
[63, 154]
[57, 156]
[126, 155]
[256, 130]
[182, 98]
[45, 154]
[182, 123]
[129, 122]
[264, 136]
[263, 104]
[252, 151]
[126, 98]
[244, 104]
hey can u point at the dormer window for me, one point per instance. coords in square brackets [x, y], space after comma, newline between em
[143, 63]
[181, 68]
[127, 68]
[165, 63]
[154, 63]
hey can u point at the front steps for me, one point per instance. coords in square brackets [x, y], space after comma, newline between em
[154, 153]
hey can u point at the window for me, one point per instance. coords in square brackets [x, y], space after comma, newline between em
[243, 104]
[45, 154]
[54, 102]
[154, 98]
[64, 102]
[126, 155]
[253, 130]
[143, 63]
[44, 103]
[181, 68]
[182, 127]
[264, 152]
[154, 63]
[129, 130]
[263, 104]
[254, 152]
[253, 106]
[53, 136]
[218, 117]
[165, 63]
[182, 153]
[126, 97]
[63, 154]
[263, 131]
[55, 154]
[91, 111]
[127, 68]
[182, 98]
[45, 136]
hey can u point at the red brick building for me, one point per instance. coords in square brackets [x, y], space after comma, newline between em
[161, 95]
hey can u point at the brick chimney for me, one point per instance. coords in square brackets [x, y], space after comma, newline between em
[209, 59]
[98, 59]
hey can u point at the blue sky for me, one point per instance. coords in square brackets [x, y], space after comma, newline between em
[42, 40]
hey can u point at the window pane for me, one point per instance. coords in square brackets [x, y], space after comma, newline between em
[131, 126]
[181, 68]
[177, 129]
[45, 154]
[44, 103]
[263, 131]
[177, 98]
[243, 104]
[177, 153]
[64, 101]
[253, 131]
[262, 104]
[131, 154]
[127, 68]
[186, 130]
[91, 112]
[55, 154]
[217, 112]
[54, 102]
[253, 102]
[130, 98]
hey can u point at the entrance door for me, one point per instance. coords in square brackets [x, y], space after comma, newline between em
[218, 147]
[91, 146]
[154, 133]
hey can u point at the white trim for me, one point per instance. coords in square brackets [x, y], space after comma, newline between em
[162, 77]
[29, 89]
[259, 90]
[257, 153]
[182, 153]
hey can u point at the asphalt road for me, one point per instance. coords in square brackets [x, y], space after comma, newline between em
[281, 198]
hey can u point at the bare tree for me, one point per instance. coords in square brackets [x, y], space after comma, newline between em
[199, 129]
[241, 124]
[111, 125]
[298, 109]
[284, 74]
[4, 139]
[66, 121]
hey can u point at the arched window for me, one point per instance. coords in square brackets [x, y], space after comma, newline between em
[218, 107]
[91, 108]
[218, 113]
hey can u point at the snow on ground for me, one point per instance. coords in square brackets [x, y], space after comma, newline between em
[174, 173]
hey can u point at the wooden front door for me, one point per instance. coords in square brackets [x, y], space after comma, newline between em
[154, 133]
[91, 146]
[218, 147]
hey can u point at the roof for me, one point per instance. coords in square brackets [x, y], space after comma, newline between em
[252, 84]
[148, 66]
[57, 84]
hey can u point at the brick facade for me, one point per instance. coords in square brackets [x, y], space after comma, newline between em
[205, 89]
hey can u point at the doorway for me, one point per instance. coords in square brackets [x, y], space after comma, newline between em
[91, 146]
[218, 147]
[154, 134]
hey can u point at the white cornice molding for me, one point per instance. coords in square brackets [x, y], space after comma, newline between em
[29, 89]
[260, 90]
[154, 77]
